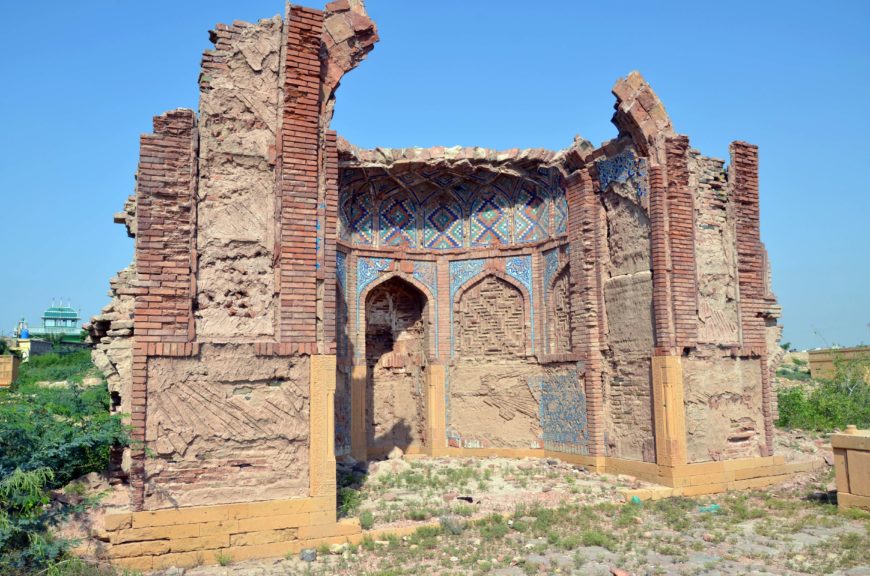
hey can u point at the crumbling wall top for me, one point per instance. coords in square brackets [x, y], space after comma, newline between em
[640, 114]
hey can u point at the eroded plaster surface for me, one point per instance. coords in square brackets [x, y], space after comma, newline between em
[236, 422]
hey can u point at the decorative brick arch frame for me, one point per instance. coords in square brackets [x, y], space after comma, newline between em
[527, 302]
[429, 305]
[550, 306]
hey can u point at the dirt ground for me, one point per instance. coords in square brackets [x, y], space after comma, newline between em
[538, 516]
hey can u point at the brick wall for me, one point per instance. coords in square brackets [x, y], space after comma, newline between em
[583, 235]
[299, 164]
[559, 315]
[662, 309]
[681, 231]
[165, 259]
[716, 253]
[327, 236]
[755, 303]
[490, 320]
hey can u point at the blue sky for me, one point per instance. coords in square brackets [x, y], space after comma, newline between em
[81, 81]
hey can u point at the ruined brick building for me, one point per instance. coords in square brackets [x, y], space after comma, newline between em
[294, 298]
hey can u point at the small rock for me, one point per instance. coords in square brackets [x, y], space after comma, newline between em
[552, 462]
[510, 571]
[619, 572]
[173, 571]
[449, 496]
[562, 561]
[453, 524]
[308, 555]
[707, 537]
[546, 488]
[454, 559]
[537, 561]
[829, 459]
[347, 460]
[395, 454]
[338, 548]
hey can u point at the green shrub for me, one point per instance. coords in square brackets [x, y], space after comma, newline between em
[48, 437]
[349, 501]
[598, 538]
[366, 520]
[834, 403]
[792, 374]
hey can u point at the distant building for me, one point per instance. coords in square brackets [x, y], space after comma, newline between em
[62, 321]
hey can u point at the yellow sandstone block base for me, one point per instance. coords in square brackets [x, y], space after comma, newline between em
[852, 466]
[187, 537]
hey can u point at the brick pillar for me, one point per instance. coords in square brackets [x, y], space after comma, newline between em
[299, 167]
[442, 269]
[585, 297]
[681, 231]
[751, 270]
[328, 235]
[661, 269]
[675, 304]
[165, 261]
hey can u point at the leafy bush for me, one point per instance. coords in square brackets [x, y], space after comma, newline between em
[72, 367]
[67, 429]
[349, 501]
[793, 374]
[834, 403]
[24, 520]
[366, 520]
[48, 437]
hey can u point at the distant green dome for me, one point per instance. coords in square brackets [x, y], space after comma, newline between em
[61, 313]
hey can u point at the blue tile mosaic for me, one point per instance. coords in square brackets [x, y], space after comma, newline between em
[624, 167]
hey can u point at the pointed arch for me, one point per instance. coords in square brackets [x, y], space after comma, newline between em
[430, 305]
[524, 301]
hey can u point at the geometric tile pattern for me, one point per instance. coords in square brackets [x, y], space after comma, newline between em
[560, 212]
[563, 411]
[398, 224]
[341, 270]
[461, 271]
[368, 269]
[490, 219]
[424, 273]
[531, 218]
[439, 210]
[551, 265]
[359, 218]
[622, 168]
[442, 225]
[341, 278]
[520, 268]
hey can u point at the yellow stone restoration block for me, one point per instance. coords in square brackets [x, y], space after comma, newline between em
[117, 521]
[263, 537]
[200, 543]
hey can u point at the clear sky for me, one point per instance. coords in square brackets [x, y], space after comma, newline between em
[81, 81]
